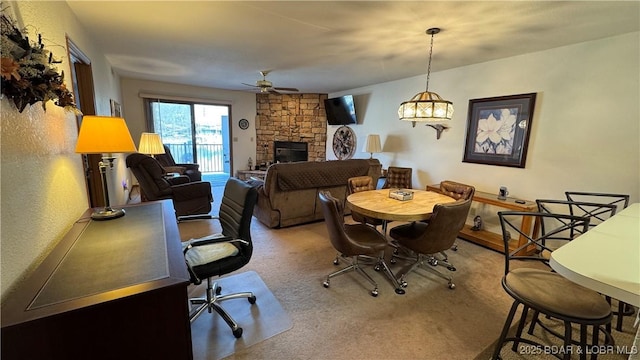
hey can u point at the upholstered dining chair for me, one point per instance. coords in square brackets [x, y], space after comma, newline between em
[363, 183]
[189, 169]
[190, 199]
[457, 191]
[424, 240]
[222, 253]
[544, 291]
[398, 178]
[352, 241]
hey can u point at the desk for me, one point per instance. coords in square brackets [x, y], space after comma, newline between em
[377, 204]
[606, 258]
[109, 290]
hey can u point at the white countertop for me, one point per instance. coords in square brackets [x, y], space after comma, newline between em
[606, 258]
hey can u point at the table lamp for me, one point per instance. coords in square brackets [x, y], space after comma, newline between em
[373, 144]
[104, 135]
[150, 144]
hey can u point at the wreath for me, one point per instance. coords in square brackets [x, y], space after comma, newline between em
[28, 74]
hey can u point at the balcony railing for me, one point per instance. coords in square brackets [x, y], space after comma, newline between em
[210, 156]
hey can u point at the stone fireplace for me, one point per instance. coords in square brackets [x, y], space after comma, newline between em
[290, 118]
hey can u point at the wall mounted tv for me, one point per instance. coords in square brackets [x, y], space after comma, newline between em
[340, 110]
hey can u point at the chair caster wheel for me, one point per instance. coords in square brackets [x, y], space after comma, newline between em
[393, 260]
[336, 262]
[218, 290]
[433, 262]
[374, 292]
[404, 284]
[400, 291]
[451, 268]
[252, 299]
[376, 268]
[454, 248]
[452, 286]
[325, 284]
[237, 332]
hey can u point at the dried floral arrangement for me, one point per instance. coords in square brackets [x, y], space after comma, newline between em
[28, 71]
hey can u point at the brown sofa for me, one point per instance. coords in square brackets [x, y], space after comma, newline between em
[289, 193]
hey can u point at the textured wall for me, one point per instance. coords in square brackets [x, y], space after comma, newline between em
[43, 190]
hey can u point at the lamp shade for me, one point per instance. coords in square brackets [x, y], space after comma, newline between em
[150, 144]
[373, 144]
[426, 107]
[104, 134]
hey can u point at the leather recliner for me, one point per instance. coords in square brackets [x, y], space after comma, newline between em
[189, 198]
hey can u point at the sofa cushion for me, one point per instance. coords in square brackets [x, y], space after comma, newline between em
[306, 175]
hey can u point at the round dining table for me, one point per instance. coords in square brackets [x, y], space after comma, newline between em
[377, 204]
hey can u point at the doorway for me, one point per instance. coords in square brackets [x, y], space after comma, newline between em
[195, 133]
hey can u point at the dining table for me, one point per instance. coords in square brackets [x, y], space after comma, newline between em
[378, 204]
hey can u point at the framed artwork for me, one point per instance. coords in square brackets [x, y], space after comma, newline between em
[498, 130]
[115, 108]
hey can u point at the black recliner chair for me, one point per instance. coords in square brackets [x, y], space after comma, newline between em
[190, 199]
[168, 162]
[223, 253]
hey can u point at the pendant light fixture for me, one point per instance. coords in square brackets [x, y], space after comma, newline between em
[427, 106]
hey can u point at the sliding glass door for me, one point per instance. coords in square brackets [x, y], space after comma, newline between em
[195, 133]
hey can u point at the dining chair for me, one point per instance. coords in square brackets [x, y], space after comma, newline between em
[621, 201]
[398, 178]
[358, 184]
[544, 291]
[220, 254]
[352, 241]
[457, 191]
[424, 240]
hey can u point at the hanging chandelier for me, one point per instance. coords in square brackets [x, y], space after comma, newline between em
[427, 106]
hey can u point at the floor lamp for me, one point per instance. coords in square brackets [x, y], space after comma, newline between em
[104, 135]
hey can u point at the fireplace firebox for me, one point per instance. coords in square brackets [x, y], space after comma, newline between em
[290, 151]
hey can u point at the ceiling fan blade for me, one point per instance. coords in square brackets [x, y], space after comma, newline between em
[286, 89]
[273, 91]
[252, 85]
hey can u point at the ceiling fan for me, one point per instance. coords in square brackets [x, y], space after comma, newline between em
[267, 86]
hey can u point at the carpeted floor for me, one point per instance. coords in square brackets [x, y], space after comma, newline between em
[344, 321]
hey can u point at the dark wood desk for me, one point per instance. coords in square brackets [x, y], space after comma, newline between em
[112, 289]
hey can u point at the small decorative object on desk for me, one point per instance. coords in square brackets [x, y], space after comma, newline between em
[477, 223]
[250, 163]
[502, 193]
[401, 194]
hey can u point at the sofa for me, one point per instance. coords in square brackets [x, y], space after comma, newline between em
[288, 195]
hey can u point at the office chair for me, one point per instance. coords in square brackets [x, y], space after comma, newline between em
[545, 291]
[363, 183]
[352, 241]
[190, 199]
[398, 178]
[220, 254]
[423, 240]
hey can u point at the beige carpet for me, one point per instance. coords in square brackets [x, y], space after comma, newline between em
[345, 322]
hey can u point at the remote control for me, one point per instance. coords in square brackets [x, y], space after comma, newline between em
[520, 201]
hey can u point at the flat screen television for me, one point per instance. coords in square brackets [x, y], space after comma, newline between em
[340, 110]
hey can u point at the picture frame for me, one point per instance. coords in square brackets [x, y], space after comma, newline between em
[498, 130]
[116, 111]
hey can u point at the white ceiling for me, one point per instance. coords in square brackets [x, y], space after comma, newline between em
[329, 46]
